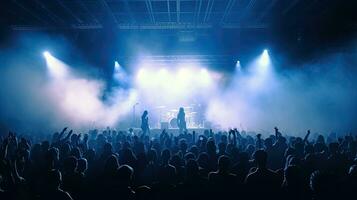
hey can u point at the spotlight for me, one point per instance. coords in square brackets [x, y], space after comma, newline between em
[163, 72]
[46, 54]
[204, 71]
[264, 59]
[56, 67]
[116, 65]
[204, 77]
[141, 74]
[238, 65]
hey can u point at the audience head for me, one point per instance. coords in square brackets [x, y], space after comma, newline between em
[111, 164]
[151, 155]
[203, 160]
[70, 164]
[323, 185]
[222, 147]
[165, 156]
[125, 174]
[189, 156]
[292, 176]
[192, 169]
[82, 165]
[224, 164]
[260, 157]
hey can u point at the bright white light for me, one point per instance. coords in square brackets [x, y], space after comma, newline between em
[261, 72]
[173, 86]
[140, 75]
[184, 73]
[161, 79]
[56, 68]
[204, 71]
[238, 66]
[146, 78]
[264, 58]
[163, 72]
[205, 77]
[120, 74]
[116, 65]
[46, 54]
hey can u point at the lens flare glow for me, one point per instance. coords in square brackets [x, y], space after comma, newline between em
[56, 68]
[46, 54]
[204, 77]
[120, 75]
[174, 86]
[238, 66]
[264, 58]
[116, 65]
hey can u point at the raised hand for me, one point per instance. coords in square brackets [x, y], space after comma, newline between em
[307, 136]
[61, 134]
[64, 129]
[276, 129]
[68, 135]
[277, 133]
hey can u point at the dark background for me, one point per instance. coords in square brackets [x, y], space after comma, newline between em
[105, 30]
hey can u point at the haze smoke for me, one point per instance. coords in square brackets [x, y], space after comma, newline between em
[39, 98]
[319, 96]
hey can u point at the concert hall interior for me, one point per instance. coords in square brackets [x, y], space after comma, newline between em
[229, 65]
[178, 99]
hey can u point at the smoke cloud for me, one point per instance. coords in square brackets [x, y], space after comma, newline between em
[45, 96]
[320, 96]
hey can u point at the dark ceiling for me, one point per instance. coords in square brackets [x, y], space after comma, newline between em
[147, 14]
[205, 26]
[158, 14]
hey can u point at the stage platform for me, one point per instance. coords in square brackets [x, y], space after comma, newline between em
[174, 131]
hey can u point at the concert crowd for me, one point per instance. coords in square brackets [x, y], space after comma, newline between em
[228, 164]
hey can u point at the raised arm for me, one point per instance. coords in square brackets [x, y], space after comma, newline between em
[61, 134]
[306, 141]
[276, 132]
[68, 136]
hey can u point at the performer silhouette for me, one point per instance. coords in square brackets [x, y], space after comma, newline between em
[181, 122]
[145, 122]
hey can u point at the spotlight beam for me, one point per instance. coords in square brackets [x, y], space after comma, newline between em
[264, 58]
[46, 54]
[56, 68]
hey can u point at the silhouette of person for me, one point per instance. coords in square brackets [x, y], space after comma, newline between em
[262, 182]
[53, 191]
[222, 176]
[145, 122]
[181, 121]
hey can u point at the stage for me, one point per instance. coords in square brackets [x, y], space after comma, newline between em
[174, 131]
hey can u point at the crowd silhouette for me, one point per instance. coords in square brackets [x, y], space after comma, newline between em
[208, 165]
